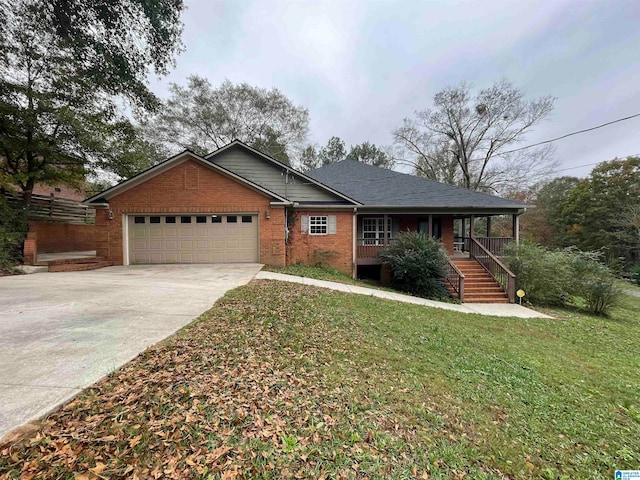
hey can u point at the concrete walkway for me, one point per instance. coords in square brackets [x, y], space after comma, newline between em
[492, 309]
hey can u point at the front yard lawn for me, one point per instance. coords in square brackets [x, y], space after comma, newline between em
[280, 380]
[320, 273]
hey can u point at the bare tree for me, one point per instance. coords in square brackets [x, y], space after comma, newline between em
[468, 139]
[204, 118]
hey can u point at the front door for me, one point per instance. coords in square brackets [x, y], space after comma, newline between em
[436, 224]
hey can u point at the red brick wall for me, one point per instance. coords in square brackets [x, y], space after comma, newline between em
[30, 248]
[447, 232]
[190, 187]
[410, 222]
[302, 245]
[63, 237]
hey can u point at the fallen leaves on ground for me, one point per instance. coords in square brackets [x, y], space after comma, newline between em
[253, 389]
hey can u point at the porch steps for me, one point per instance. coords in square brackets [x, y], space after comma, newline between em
[76, 264]
[479, 285]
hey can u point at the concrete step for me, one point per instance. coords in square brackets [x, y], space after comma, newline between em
[71, 261]
[79, 267]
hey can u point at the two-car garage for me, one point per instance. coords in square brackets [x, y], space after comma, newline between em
[192, 238]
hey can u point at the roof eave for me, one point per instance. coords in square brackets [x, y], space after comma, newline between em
[447, 209]
[166, 165]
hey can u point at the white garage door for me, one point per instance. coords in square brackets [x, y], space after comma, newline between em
[193, 238]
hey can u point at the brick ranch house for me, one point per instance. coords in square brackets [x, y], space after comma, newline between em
[239, 205]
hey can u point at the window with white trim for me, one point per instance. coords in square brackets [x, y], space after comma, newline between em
[318, 225]
[373, 230]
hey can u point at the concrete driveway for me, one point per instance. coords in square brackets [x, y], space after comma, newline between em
[61, 332]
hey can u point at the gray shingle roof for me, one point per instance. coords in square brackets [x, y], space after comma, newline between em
[379, 186]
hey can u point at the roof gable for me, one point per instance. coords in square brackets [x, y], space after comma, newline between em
[276, 176]
[375, 186]
[168, 164]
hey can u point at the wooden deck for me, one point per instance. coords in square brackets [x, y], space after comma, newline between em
[367, 251]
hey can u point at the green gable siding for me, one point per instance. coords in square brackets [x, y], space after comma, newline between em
[271, 176]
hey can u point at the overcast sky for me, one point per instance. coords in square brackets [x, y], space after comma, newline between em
[360, 67]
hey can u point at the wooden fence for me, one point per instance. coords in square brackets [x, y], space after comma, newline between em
[56, 210]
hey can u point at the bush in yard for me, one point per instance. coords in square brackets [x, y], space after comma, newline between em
[418, 265]
[594, 281]
[543, 274]
[557, 277]
[13, 229]
[634, 274]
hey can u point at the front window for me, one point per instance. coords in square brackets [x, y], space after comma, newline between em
[318, 225]
[373, 230]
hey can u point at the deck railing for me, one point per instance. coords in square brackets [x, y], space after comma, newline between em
[370, 247]
[494, 244]
[455, 278]
[495, 267]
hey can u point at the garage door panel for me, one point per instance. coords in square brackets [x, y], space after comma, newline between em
[233, 256]
[218, 243]
[140, 258]
[171, 257]
[201, 257]
[185, 257]
[186, 245]
[195, 242]
[155, 257]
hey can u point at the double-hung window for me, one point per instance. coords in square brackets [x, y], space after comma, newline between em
[373, 230]
[318, 225]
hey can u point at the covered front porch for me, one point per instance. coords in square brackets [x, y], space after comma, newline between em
[475, 271]
[454, 230]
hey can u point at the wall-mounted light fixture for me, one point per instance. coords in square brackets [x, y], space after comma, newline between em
[110, 214]
[267, 214]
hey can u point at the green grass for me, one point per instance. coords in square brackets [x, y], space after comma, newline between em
[321, 273]
[288, 381]
[627, 285]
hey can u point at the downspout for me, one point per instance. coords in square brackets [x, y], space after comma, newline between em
[354, 235]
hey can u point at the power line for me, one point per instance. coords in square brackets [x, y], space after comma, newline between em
[577, 166]
[572, 134]
[591, 164]
[550, 141]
